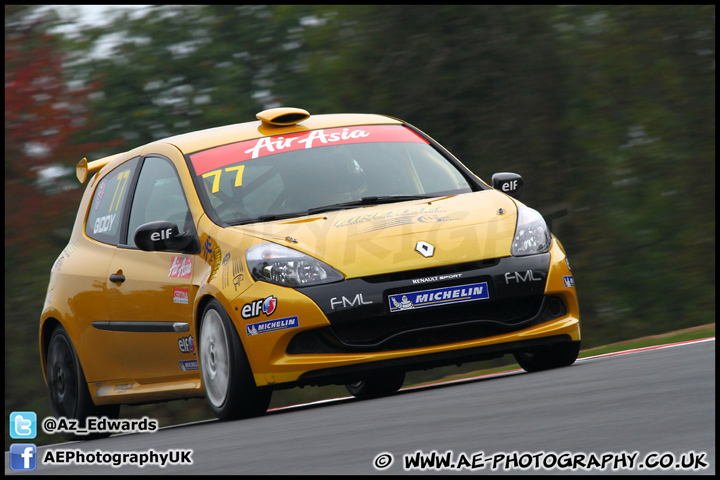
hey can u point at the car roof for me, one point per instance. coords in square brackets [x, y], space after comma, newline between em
[204, 139]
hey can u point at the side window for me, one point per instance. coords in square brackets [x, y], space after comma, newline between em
[158, 197]
[108, 204]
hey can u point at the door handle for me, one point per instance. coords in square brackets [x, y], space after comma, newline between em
[117, 278]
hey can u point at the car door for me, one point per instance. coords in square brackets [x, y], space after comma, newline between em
[83, 271]
[150, 293]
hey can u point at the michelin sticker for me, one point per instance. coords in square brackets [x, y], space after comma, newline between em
[272, 325]
[438, 296]
[188, 365]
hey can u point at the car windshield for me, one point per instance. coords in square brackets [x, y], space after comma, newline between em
[321, 170]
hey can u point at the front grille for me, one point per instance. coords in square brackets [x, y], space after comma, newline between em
[429, 327]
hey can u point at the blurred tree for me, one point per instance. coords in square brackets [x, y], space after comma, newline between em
[485, 81]
[641, 117]
[185, 68]
[42, 117]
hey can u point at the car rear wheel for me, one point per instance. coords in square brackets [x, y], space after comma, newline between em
[546, 358]
[377, 386]
[229, 384]
[69, 394]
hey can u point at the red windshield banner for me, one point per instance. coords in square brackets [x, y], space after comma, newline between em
[219, 157]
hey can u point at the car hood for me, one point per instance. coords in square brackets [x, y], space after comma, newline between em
[383, 238]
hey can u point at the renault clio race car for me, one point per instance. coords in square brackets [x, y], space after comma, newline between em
[295, 250]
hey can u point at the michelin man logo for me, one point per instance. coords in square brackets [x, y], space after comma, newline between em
[403, 304]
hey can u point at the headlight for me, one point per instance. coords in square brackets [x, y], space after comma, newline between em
[531, 235]
[284, 266]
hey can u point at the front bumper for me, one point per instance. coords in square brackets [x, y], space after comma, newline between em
[351, 328]
[366, 314]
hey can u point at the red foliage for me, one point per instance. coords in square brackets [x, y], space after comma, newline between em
[42, 113]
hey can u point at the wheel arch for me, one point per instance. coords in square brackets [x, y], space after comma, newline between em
[46, 330]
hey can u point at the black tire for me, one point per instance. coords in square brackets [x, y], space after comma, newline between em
[228, 380]
[546, 358]
[68, 389]
[377, 386]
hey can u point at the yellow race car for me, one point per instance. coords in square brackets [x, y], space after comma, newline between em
[295, 250]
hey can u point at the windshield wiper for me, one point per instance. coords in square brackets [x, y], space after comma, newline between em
[367, 201]
[375, 200]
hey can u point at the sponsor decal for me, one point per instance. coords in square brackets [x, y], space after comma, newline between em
[187, 344]
[188, 365]
[355, 302]
[104, 224]
[180, 267]
[71, 247]
[237, 266]
[437, 278]
[439, 296]
[180, 295]
[520, 277]
[216, 158]
[265, 305]
[207, 250]
[269, 305]
[216, 266]
[58, 263]
[226, 271]
[272, 326]
[394, 218]
[161, 235]
[237, 271]
[100, 192]
[211, 253]
[392, 215]
[568, 280]
[102, 390]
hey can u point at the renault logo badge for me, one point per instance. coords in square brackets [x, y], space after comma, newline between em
[425, 249]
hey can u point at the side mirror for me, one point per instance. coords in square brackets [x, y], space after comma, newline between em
[509, 183]
[164, 236]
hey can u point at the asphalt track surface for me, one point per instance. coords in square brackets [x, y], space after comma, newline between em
[659, 403]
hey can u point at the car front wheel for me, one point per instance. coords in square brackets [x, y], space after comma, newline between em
[546, 358]
[229, 384]
[69, 394]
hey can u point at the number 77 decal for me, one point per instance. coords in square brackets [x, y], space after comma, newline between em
[217, 173]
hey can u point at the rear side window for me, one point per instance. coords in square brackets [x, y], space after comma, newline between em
[108, 204]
